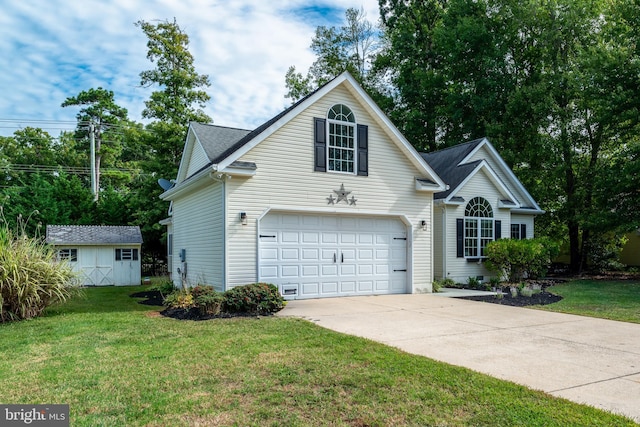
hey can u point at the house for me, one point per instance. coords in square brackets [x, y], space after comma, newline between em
[484, 201]
[326, 199]
[101, 254]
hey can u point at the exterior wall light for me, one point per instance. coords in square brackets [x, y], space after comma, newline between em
[423, 224]
[243, 218]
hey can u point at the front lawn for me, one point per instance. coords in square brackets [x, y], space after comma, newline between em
[614, 300]
[117, 363]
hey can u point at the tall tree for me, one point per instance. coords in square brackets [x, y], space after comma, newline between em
[100, 115]
[412, 63]
[180, 99]
[351, 47]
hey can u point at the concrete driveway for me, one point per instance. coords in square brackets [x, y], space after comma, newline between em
[586, 360]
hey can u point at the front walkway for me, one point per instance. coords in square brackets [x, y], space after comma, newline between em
[586, 360]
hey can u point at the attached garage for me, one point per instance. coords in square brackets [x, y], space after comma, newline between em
[311, 256]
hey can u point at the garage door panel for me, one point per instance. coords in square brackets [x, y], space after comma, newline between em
[365, 269]
[290, 237]
[311, 254]
[290, 271]
[310, 289]
[310, 271]
[289, 254]
[329, 288]
[329, 270]
[310, 238]
[332, 255]
[329, 238]
[365, 286]
[269, 272]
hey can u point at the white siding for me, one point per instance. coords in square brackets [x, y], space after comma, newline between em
[483, 154]
[285, 178]
[197, 160]
[198, 228]
[459, 269]
[523, 219]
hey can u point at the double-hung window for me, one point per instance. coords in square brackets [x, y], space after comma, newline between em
[478, 227]
[341, 147]
[518, 231]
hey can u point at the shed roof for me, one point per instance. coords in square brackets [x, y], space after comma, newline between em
[93, 234]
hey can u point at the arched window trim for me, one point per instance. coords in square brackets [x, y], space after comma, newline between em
[342, 141]
[479, 227]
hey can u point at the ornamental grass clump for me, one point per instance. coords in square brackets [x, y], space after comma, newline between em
[31, 279]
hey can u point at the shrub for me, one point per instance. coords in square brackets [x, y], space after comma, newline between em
[255, 298]
[516, 259]
[473, 283]
[165, 288]
[443, 283]
[207, 299]
[180, 298]
[30, 277]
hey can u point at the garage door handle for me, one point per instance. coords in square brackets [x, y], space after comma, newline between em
[400, 270]
[334, 257]
[341, 257]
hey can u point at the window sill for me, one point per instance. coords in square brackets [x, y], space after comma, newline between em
[476, 260]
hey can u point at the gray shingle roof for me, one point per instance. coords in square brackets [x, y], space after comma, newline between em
[444, 163]
[216, 140]
[221, 142]
[93, 234]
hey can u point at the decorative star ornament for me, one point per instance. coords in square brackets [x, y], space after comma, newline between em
[331, 199]
[353, 200]
[342, 194]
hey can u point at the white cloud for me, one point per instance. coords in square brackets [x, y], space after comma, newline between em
[53, 49]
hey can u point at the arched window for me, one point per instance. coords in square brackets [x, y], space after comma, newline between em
[478, 227]
[341, 147]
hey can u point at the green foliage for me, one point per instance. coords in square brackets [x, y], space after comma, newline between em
[348, 48]
[473, 283]
[30, 277]
[255, 298]
[443, 283]
[515, 259]
[165, 288]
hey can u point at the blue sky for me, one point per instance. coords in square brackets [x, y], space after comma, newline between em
[53, 49]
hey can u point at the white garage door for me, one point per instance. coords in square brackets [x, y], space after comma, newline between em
[312, 256]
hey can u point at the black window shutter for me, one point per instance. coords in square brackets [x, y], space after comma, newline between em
[459, 237]
[363, 150]
[523, 231]
[498, 232]
[320, 145]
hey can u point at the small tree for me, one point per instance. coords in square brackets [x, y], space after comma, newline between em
[518, 259]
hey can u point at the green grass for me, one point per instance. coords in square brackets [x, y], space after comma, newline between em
[614, 300]
[118, 364]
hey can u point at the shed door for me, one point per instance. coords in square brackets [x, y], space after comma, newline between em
[331, 255]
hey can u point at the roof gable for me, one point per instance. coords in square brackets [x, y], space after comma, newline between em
[224, 154]
[458, 163]
[93, 234]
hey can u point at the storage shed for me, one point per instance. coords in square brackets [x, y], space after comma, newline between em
[102, 255]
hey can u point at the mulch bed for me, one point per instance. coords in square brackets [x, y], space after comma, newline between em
[542, 298]
[150, 297]
[155, 298]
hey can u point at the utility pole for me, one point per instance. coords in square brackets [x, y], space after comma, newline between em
[94, 174]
